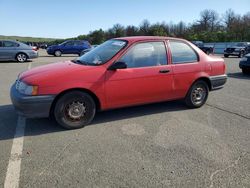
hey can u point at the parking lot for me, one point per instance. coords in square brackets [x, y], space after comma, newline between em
[156, 145]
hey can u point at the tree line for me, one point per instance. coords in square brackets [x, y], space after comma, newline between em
[210, 27]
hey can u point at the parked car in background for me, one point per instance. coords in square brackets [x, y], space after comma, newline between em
[89, 49]
[68, 47]
[240, 49]
[245, 64]
[120, 72]
[14, 50]
[207, 49]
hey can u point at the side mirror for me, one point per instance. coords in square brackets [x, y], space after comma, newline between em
[118, 65]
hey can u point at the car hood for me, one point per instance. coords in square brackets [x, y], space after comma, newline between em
[236, 47]
[53, 71]
[247, 55]
[52, 46]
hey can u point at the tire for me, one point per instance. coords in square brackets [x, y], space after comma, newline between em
[58, 53]
[246, 71]
[225, 55]
[74, 110]
[197, 94]
[21, 57]
[241, 54]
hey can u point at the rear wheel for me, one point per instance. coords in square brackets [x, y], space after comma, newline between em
[197, 94]
[74, 110]
[58, 53]
[21, 57]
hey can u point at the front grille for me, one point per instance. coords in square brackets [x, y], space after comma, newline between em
[17, 84]
[230, 49]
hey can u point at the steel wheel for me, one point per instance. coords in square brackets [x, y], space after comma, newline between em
[21, 57]
[197, 94]
[74, 110]
[58, 53]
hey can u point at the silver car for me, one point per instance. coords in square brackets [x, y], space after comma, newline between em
[14, 50]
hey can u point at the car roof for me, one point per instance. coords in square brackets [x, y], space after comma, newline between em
[9, 40]
[141, 38]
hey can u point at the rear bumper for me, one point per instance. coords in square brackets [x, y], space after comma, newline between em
[217, 82]
[33, 55]
[31, 106]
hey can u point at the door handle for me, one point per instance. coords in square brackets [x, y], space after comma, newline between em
[164, 71]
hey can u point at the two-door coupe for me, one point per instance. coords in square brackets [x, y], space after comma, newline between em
[120, 72]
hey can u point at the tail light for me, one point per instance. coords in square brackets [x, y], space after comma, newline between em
[34, 48]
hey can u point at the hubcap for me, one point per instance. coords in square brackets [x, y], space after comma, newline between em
[75, 111]
[21, 57]
[198, 95]
[58, 53]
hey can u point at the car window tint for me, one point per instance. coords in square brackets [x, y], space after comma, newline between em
[69, 44]
[182, 53]
[9, 44]
[77, 43]
[145, 55]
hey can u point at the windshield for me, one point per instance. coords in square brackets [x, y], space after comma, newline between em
[102, 53]
[241, 44]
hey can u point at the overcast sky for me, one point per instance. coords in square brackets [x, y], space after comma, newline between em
[70, 18]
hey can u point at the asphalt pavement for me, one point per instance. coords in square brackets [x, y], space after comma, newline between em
[156, 145]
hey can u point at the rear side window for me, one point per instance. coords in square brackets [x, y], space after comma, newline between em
[146, 55]
[182, 53]
[10, 44]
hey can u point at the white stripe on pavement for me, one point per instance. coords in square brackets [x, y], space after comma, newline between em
[29, 66]
[14, 166]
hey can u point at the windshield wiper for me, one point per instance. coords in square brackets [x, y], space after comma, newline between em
[77, 61]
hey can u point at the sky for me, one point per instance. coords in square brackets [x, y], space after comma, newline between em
[70, 18]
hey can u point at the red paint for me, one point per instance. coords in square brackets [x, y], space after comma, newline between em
[126, 87]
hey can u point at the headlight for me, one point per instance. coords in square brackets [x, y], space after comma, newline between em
[26, 89]
[243, 59]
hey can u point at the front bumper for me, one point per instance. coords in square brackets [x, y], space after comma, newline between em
[31, 106]
[244, 64]
[50, 51]
[217, 82]
[235, 53]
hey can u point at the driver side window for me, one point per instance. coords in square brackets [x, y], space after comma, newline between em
[146, 54]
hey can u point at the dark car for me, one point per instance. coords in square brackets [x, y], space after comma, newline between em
[69, 47]
[245, 64]
[17, 51]
[240, 49]
[207, 49]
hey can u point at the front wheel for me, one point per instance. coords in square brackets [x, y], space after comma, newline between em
[75, 110]
[241, 54]
[245, 71]
[197, 94]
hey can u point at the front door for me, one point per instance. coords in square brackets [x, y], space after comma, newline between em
[147, 78]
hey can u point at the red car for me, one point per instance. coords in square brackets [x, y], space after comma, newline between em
[120, 72]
